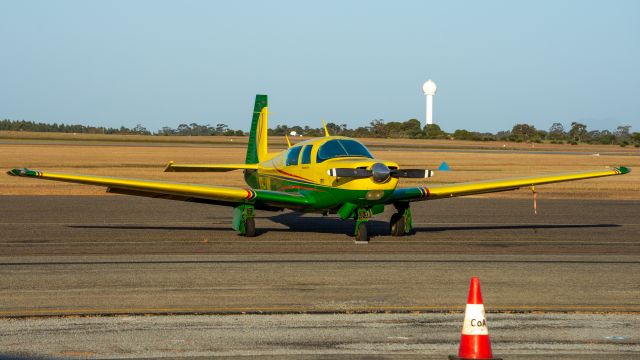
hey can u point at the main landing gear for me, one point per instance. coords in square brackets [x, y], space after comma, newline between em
[401, 223]
[250, 227]
[244, 220]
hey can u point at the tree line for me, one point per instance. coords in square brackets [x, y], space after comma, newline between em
[192, 129]
[378, 128]
[577, 133]
[413, 129]
[22, 125]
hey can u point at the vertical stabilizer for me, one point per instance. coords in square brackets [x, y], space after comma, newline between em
[257, 146]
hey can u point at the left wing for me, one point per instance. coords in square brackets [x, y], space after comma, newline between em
[481, 187]
[230, 196]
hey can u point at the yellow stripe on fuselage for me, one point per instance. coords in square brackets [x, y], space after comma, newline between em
[317, 174]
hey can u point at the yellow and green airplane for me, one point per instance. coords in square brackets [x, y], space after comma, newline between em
[329, 175]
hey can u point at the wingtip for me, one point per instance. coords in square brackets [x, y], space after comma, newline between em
[20, 172]
[624, 170]
[169, 168]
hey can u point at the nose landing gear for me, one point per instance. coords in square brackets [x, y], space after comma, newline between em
[361, 234]
[362, 237]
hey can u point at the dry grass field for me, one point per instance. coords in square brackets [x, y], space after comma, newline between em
[35, 137]
[145, 158]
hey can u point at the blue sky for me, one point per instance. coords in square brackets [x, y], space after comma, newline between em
[162, 63]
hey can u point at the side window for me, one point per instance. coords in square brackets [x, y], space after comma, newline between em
[292, 156]
[306, 154]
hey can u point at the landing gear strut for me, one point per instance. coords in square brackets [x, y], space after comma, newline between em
[401, 223]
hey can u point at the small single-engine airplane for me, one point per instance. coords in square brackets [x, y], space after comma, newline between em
[331, 174]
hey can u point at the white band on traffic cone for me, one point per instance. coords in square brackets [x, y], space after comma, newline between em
[474, 321]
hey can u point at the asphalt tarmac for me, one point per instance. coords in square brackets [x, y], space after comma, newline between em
[312, 336]
[112, 255]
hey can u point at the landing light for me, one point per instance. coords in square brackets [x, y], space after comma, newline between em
[374, 194]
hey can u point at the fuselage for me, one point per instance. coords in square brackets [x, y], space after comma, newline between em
[304, 169]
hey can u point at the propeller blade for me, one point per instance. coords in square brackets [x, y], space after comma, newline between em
[412, 173]
[349, 172]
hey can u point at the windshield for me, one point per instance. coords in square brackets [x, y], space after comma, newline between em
[341, 148]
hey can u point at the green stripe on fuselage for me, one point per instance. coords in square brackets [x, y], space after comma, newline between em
[321, 197]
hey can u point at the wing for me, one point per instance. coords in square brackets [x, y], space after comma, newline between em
[171, 167]
[230, 196]
[481, 187]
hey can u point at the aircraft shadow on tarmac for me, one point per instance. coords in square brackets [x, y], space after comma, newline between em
[150, 227]
[20, 357]
[331, 225]
[515, 227]
[297, 222]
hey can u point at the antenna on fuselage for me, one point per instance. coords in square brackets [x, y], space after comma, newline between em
[288, 141]
[324, 125]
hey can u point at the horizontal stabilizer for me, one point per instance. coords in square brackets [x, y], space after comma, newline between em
[171, 167]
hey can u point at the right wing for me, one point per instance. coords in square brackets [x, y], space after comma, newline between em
[483, 187]
[171, 167]
[230, 196]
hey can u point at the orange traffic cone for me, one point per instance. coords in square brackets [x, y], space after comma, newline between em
[474, 343]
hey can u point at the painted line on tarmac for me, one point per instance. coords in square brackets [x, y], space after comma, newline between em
[494, 223]
[337, 241]
[227, 221]
[311, 261]
[305, 310]
[108, 224]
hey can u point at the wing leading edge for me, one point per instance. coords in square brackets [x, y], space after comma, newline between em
[230, 196]
[171, 167]
[482, 187]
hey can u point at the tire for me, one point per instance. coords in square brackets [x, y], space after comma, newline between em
[250, 227]
[361, 233]
[396, 225]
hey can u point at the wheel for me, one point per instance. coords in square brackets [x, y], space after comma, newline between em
[396, 225]
[361, 233]
[250, 227]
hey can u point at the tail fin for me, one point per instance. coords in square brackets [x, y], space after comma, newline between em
[257, 147]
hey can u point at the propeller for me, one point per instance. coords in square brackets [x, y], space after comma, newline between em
[380, 173]
[412, 173]
[350, 172]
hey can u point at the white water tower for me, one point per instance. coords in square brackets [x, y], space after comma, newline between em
[429, 88]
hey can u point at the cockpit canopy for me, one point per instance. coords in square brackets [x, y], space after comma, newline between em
[341, 148]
